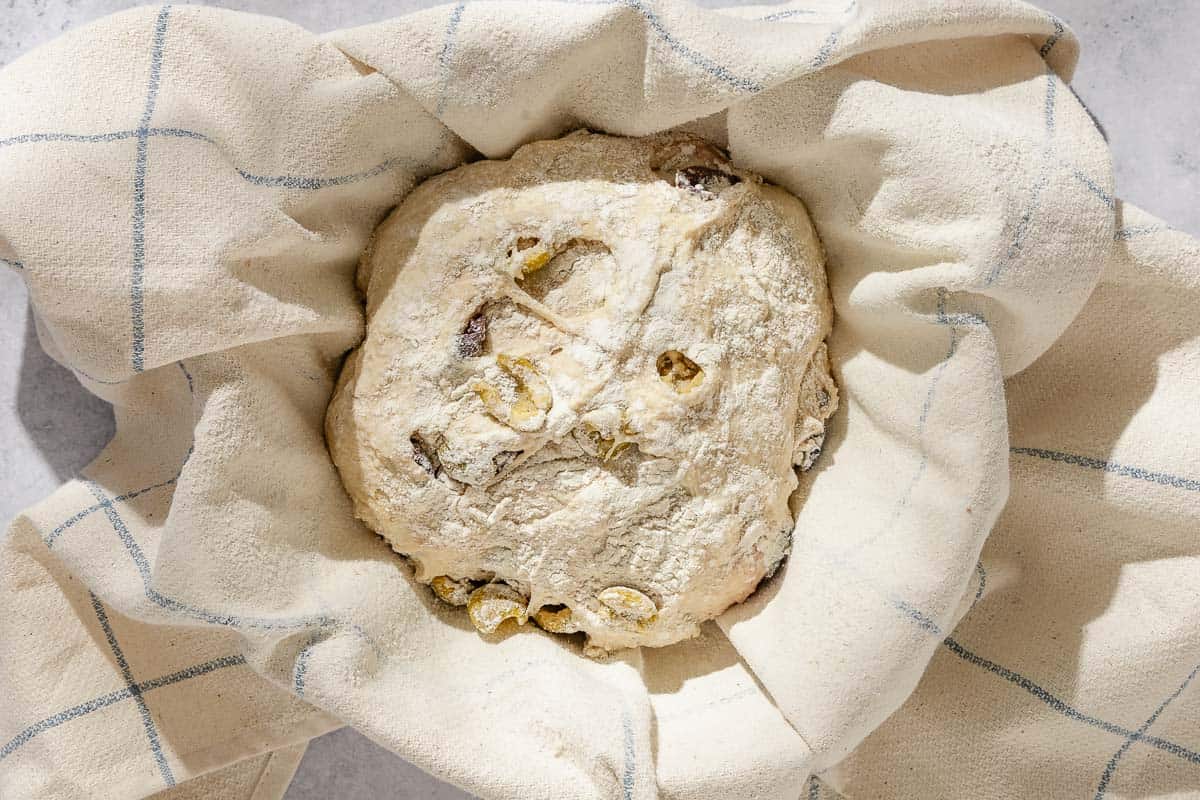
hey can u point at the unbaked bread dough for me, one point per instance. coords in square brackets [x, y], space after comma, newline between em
[589, 375]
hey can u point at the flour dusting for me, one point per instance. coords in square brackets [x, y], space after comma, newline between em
[590, 374]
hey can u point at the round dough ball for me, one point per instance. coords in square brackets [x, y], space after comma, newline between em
[589, 375]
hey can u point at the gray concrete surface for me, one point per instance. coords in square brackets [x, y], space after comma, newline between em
[1139, 74]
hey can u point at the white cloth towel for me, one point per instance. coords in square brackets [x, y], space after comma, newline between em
[186, 191]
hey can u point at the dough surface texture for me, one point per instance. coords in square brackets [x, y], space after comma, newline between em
[590, 374]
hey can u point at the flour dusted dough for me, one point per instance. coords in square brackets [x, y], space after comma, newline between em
[589, 375]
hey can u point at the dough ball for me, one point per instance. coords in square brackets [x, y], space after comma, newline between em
[590, 374]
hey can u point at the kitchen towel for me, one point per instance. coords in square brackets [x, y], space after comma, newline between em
[992, 588]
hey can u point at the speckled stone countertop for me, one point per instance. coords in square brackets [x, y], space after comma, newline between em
[1139, 75]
